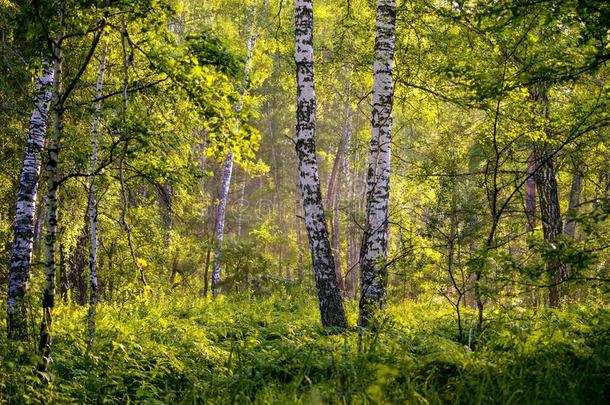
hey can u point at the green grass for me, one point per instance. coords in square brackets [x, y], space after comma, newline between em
[271, 350]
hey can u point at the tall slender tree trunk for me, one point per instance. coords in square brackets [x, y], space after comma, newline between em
[228, 168]
[333, 196]
[78, 262]
[530, 193]
[123, 185]
[374, 250]
[220, 221]
[336, 237]
[298, 214]
[52, 173]
[25, 206]
[329, 297]
[350, 258]
[353, 242]
[341, 148]
[92, 200]
[548, 197]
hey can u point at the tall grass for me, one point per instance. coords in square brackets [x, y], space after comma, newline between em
[241, 349]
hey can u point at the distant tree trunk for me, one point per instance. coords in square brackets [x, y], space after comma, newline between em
[206, 270]
[63, 274]
[354, 209]
[228, 169]
[569, 229]
[299, 219]
[242, 193]
[336, 237]
[374, 250]
[220, 221]
[548, 197]
[530, 193]
[25, 206]
[333, 196]
[123, 186]
[350, 258]
[329, 297]
[78, 262]
[338, 163]
[92, 200]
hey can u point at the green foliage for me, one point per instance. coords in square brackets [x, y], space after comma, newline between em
[209, 50]
[243, 349]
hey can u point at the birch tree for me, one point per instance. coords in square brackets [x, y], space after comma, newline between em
[329, 297]
[228, 166]
[25, 207]
[52, 173]
[54, 180]
[92, 197]
[374, 249]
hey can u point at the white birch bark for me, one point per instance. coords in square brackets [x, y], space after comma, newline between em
[228, 169]
[25, 207]
[220, 222]
[92, 201]
[330, 301]
[374, 249]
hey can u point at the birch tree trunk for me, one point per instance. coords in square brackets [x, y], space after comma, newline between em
[548, 197]
[228, 169]
[92, 200]
[52, 173]
[220, 222]
[374, 249]
[25, 207]
[329, 297]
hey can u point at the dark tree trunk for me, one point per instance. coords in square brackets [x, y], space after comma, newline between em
[530, 193]
[548, 197]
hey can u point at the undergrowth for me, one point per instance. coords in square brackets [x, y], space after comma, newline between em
[241, 349]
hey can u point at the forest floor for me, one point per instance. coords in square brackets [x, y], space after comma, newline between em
[240, 349]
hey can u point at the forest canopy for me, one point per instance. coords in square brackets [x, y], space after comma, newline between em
[289, 201]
